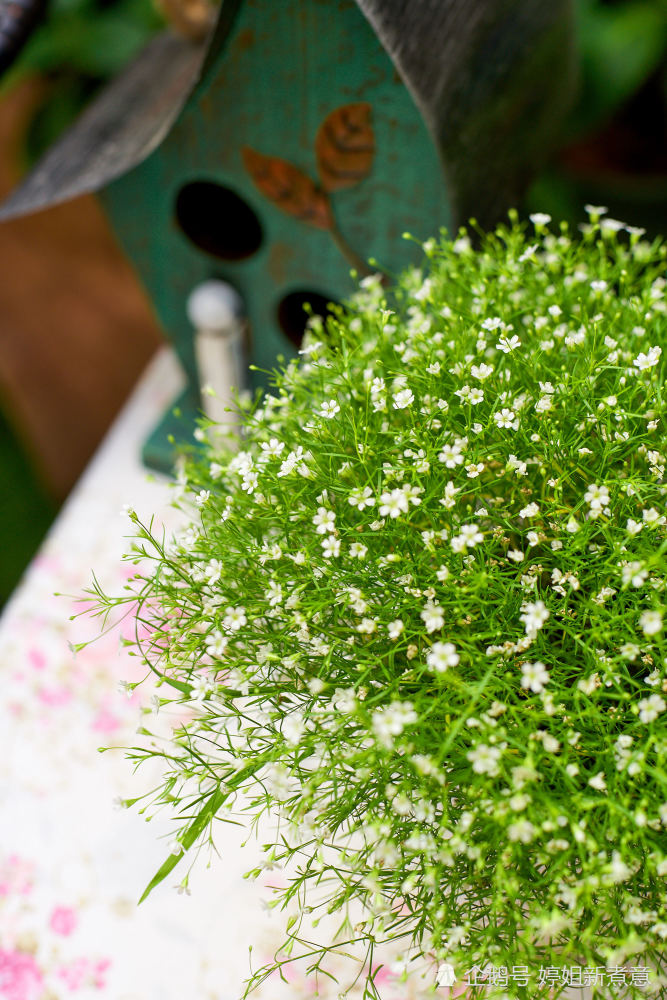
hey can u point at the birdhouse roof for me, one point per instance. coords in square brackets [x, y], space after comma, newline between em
[491, 81]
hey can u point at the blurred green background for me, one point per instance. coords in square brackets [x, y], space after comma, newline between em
[613, 151]
[78, 47]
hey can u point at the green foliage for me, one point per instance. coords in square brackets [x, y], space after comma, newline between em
[621, 45]
[87, 38]
[81, 44]
[26, 510]
[419, 615]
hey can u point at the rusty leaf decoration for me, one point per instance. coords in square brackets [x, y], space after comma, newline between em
[345, 146]
[289, 188]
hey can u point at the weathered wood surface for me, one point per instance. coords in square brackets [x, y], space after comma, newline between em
[285, 70]
[492, 79]
[122, 126]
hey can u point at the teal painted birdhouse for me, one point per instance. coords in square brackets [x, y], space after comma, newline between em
[299, 142]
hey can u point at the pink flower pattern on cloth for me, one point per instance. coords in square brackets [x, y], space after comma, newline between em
[34, 964]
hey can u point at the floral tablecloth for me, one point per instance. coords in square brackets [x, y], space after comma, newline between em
[72, 862]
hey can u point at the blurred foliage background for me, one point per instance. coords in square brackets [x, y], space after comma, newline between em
[613, 151]
[614, 148]
[79, 45]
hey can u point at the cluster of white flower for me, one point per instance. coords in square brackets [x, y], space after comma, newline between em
[451, 479]
[390, 721]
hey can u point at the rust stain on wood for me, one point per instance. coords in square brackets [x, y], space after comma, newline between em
[281, 256]
[345, 146]
[288, 188]
[245, 40]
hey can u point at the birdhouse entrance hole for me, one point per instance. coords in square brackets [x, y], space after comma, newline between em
[217, 220]
[292, 315]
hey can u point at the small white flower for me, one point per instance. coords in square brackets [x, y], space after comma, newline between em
[358, 550]
[481, 372]
[344, 700]
[534, 616]
[648, 360]
[484, 759]
[126, 688]
[393, 503]
[330, 547]
[291, 462]
[469, 536]
[529, 253]
[441, 656]
[361, 498]
[544, 404]
[395, 628]
[651, 517]
[587, 685]
[462, 245]
[513, 464]
[608, 226]
[324, 521]
[433, 616]
[534, 676]
[508, 344]
[403, 399]
[329, 409]
[595, 211]
[522, 831]
[650, 622]
[493, 323]
[292, 728]
[214, 571]
[271, 449]
[203, 497]
[598, 782]
[650, 708]
[392, 720]
[549, 742]
[540, 219]
[216, 644]
[531, 510]
[596, 496]
[274, 594]
[474, 469]
[635, 573]
[249, 481]
[235, 618]
[451, 455]
[506, 418]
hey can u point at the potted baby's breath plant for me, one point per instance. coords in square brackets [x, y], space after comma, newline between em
[418, 613]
